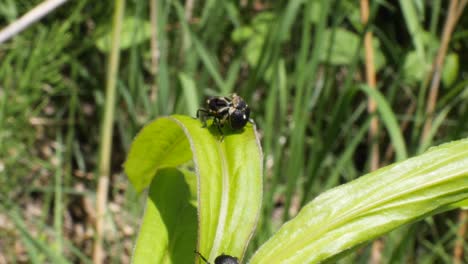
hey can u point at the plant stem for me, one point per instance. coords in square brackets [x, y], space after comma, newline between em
[29, 18]
[154, 47]
[455, 10]
[377, 246]
[454, 13]
[107, 131]
[372, 82]
[458, 249]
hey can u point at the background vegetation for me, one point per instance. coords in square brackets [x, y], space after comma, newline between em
[302, 67]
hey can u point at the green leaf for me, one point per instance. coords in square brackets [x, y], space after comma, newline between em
[315, 11]
[349, 215]
[255, 35]
[462, 204]
[415, 67]
[241, 34]
[161, 144]
[450, 71]
[134, 31]
[412, 20]
[170, 223]
[344, 45]
[171, 213]
[229, 174]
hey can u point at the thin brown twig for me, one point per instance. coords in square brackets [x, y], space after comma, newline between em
[455, 11]
[458, 249]
[371, 79]
[452, 17]
[372, 82]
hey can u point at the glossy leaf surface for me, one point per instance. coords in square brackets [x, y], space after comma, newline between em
[349, 215]
[229, 188]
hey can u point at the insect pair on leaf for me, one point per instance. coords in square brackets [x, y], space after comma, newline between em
[232, 112]
[235, 113]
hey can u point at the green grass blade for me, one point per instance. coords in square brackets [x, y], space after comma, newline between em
[412, 23]
[389, 120]
[190, 93]
[58, 196]
[209, 61]
[437, 123]
[32, 241]
[162, 78]
[347, 155]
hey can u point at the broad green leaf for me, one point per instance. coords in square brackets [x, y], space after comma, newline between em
[229, 180]
[161, 144]
[170, 222]
[134, 31]
[349, 215]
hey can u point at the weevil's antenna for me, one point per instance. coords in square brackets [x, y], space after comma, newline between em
[201, 256]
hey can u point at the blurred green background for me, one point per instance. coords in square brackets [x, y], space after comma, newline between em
[299, 64]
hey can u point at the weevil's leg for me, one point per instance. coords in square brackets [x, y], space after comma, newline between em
[201, 256]
[202, 114]
[222, 122]
[201, 111]
[223, 110]
[219, 125]
[225, 118]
